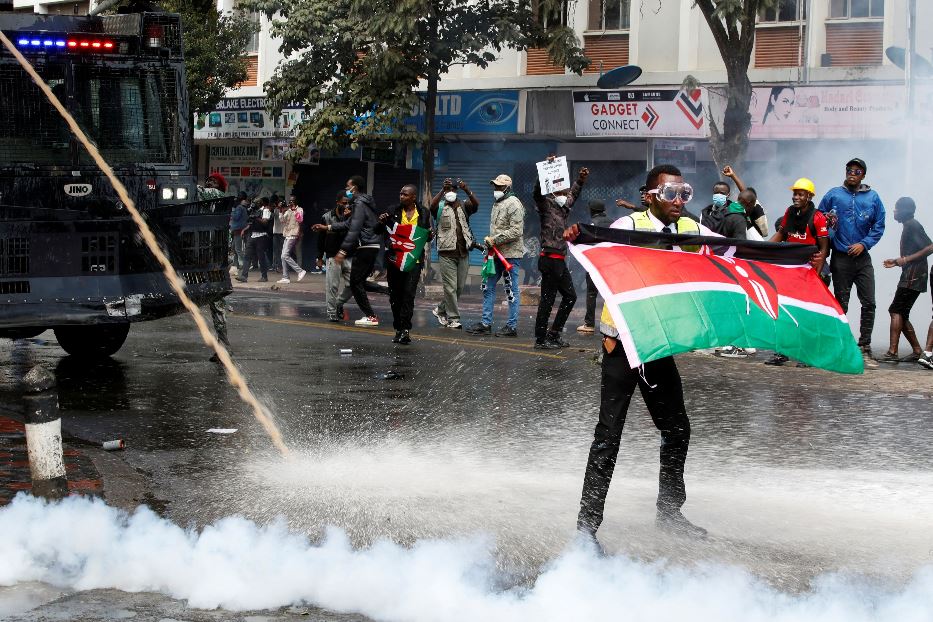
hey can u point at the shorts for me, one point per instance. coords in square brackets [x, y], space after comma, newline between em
[904, 300]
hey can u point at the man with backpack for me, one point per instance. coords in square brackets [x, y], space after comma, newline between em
[803, 224]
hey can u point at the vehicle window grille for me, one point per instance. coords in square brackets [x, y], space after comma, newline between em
[14, 287]
[204, 247]
[47, 140]
[208, 276]
[98, 253]
[14, 256]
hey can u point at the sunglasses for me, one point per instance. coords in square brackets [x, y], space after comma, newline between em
[671, 191]
[854, 171]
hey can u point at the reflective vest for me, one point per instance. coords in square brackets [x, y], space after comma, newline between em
[643, 222]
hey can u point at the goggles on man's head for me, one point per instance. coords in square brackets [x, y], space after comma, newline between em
[672, 190]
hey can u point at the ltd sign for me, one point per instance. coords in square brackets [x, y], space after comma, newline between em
[78, 190]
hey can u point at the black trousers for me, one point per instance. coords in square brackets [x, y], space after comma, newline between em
[848, 271]
[256, 249]
[661, 388]
[591, 293]
[363, 261]
[555, 277]
[402, 289]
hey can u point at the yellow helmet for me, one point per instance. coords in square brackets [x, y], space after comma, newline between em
[804, 184]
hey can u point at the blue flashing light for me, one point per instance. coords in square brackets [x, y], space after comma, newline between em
[23, 42]
[35, 42]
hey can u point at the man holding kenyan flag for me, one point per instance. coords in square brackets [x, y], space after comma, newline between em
[407, 228]
[673, 286]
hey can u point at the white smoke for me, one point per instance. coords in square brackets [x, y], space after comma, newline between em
[235, 564]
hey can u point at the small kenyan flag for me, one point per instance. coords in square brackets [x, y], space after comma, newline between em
[407, 243]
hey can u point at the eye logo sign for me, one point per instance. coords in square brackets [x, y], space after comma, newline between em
[650, 116]
[493, 110]
[691, 106]
[78, 190]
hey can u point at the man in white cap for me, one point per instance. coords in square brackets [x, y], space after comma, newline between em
[506, 228]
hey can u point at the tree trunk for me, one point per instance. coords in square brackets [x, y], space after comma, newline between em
[730, 143]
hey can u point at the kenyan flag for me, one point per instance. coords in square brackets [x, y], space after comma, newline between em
[407, 243]
[747, 294]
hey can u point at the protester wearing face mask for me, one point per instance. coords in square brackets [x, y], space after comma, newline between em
[506, 228]
[454, 241]
[554, 209]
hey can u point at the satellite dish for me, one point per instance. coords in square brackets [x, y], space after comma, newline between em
[620, 76]
[920, 67]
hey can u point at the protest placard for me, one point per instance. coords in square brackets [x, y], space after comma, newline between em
[554, 175]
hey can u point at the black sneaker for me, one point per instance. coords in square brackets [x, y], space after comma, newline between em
[241, 279]
[556, 340]
[405, 338]
[506, 331]
[777, 359]
[480, 329]
[675, 522]
[264, 279]
[546, 345]
[925, 361]
[333, 318]
[398, 336]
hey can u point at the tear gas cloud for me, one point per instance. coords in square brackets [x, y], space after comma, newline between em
[83, 544]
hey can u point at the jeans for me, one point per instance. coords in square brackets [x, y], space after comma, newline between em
[239, 252]
[337, 284]
[256, 251]
[454, 272]
[591, 293]
[402, 289]
[287, 261]
[664, 396]
[858, 271]
[489, 296]
[555, 277]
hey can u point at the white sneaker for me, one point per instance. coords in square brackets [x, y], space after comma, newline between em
[367, 321]
[302, 274]
[441, 319]
[453, 324]
[586, 328]
[732, 352]
[285, 280]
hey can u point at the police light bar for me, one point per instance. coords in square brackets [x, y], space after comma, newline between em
[77, 43]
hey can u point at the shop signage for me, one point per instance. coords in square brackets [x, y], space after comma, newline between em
[641, 113]
[471, 112]
[246, 117]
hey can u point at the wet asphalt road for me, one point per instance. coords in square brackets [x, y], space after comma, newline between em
[794, 471]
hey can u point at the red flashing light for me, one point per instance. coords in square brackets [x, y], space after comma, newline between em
[85, 44]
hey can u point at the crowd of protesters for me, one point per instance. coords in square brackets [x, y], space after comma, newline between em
[843, 227]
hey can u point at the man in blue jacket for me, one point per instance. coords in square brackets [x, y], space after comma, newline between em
[855, 215]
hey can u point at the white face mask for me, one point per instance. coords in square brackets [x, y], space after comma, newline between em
[498, 194]
[450, 197]
[560, 200]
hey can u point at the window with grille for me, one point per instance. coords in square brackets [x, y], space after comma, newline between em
[856, 8]
[784, 11]
[14, 256]
[551, 14]
[31, 130]
[610, 15]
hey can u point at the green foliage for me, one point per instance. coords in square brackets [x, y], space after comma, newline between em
[359, 63]
[215, 45]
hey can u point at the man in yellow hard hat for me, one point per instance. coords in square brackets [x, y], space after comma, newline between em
[804, 224]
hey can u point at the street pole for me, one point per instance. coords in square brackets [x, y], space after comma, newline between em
[909, 79]
[44, 434]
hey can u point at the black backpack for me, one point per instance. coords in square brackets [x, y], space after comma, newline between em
[712, 218]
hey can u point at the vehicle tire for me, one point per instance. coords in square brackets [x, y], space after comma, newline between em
[92, 341]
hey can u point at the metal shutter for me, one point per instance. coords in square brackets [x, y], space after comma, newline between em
[605, 51]
[252, 72]
[538, 64]
[854, 44]
[778, 47]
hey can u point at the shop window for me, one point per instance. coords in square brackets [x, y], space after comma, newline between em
[784, 11]
[856, 8]
[609, 15]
